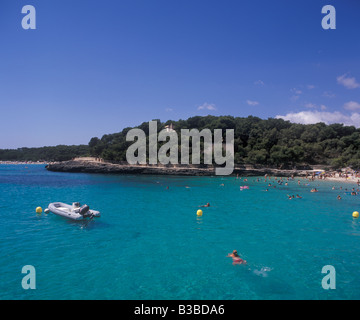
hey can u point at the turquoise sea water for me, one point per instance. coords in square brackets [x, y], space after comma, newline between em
[150, 244]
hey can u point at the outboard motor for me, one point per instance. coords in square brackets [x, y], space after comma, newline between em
[84, 209]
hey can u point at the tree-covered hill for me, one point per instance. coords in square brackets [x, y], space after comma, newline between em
[272, 142]
[57, 153]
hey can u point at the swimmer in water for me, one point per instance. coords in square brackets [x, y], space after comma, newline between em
[236, 258]
[205, 205]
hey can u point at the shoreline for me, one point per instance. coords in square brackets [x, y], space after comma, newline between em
[91, 165]
[24, 162]
[102, 167]
[188, 170]
[340, 179]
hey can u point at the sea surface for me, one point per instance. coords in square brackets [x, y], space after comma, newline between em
[149, 242]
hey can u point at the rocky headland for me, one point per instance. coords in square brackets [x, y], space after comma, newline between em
[87, 166]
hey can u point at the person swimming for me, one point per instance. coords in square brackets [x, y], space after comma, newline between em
[205, 205]
[236, 258]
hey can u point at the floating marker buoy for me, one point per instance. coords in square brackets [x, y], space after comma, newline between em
[46, 210]
[199, 213]
[355, 214]
[38, 210]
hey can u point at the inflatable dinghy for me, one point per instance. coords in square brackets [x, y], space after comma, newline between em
[74, 211]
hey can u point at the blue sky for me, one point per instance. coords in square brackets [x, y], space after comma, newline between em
[94, 67]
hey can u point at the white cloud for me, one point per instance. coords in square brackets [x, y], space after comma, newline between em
[294, 98]
[310, 86]
[259, 83]
[314, 106]
[348, 82]
[329, 94]
[169, 109]
[296, 91]
[252, 103]
[352, 105]
[310, 106]
[309, 117]
[207, 106]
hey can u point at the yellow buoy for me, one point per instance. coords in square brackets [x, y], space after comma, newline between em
[38, 210]
[199, 213]
[355, 214]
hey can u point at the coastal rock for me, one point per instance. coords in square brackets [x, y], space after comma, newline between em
[185, 170]
[104, 167]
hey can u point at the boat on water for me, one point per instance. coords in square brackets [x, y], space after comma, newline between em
[74, 211]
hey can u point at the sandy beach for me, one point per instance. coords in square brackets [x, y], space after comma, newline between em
[344, 175]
